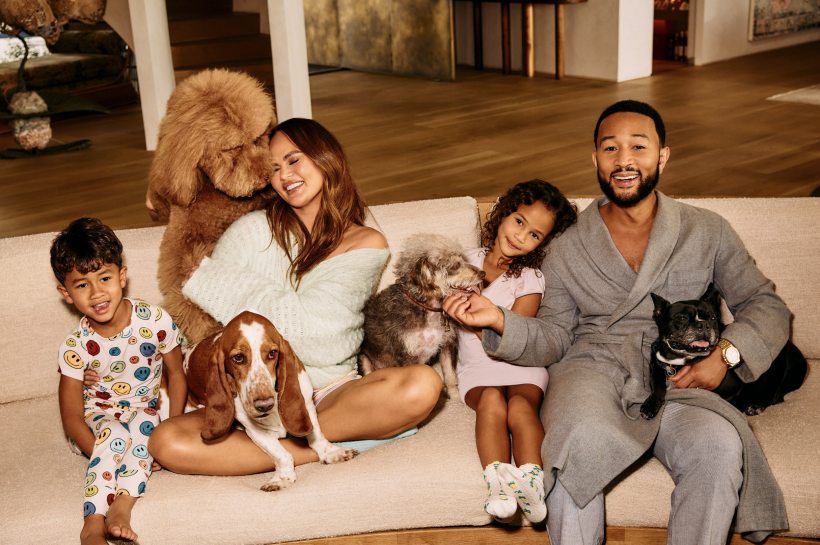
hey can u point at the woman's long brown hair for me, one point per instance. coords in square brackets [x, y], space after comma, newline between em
[341, 205]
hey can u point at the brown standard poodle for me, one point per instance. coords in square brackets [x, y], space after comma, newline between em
[212, 166]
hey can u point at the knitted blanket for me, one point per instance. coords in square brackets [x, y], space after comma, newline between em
[322, 319]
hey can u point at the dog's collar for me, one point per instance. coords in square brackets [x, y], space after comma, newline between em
[444, 318]
[419, 303]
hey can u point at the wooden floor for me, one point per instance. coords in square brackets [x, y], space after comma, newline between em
[495, 534]
[411, 139]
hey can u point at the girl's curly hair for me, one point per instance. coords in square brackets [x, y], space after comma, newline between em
[528, 193]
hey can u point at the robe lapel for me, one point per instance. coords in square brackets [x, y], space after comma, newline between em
[662, 241]
[599, 246]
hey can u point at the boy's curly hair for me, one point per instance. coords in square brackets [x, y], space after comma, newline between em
[86, 245]
[566, 213]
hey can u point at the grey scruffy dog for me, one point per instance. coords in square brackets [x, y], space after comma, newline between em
[404, 324]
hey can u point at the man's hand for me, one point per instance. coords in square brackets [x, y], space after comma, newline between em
[707, 374]
[474, 311]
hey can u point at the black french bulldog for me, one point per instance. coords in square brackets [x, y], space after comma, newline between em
[688, 331]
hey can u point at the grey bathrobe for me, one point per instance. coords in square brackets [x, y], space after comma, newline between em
[594, 329]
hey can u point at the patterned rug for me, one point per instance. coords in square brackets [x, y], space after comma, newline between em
[807, 95]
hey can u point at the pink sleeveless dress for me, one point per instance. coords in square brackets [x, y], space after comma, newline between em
[475, 367]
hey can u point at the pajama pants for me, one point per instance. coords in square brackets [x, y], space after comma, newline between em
[120, 463]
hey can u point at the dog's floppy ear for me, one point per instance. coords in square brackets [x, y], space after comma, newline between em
[219, 409]
[175, 174]
[292, 410]
[660, 305]
[712, 297]
[420, 275]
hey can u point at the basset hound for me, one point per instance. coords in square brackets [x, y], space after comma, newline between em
[248, 372]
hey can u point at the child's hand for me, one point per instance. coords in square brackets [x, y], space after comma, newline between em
[474, 311]
[90, 378]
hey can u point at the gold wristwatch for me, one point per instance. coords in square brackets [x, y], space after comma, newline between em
[731, 355]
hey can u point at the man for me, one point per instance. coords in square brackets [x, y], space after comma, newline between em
[594, 328]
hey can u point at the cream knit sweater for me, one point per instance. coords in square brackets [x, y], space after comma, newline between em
[322, 320]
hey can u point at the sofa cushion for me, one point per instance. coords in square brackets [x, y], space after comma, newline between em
[432, 479]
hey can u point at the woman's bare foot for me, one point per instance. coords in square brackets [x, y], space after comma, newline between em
[118, 520]
[93, 532]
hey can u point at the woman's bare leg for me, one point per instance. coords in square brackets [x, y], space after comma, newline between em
[492, 437]
[523, 405]
[382, 404]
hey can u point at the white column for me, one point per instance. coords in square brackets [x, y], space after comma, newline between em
[290, 64]
[634, 39]
[152, 47]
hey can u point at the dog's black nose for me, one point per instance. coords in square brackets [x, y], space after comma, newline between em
[482, 274]
[264, 405]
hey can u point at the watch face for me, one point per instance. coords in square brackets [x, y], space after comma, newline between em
[732, 355]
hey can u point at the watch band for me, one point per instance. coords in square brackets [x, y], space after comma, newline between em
[731, 355]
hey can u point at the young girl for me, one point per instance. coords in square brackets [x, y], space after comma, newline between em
[507, 397]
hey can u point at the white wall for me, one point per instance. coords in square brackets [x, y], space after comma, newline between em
[604, 39]
[722, 32]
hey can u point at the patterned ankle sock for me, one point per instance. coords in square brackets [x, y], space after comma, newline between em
[498, 504]
[526, 485]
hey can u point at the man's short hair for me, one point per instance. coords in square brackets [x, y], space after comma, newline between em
[86, 245]
[637, 107]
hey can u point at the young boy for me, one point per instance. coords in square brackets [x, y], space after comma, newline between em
[127, 343]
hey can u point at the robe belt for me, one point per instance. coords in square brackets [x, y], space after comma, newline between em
[603, 338]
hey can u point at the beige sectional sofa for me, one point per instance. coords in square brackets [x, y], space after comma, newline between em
[430, 480]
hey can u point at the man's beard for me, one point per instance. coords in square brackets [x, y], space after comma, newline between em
[645, 187]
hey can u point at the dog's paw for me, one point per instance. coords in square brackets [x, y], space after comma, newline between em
[649, 410]
[754, 410]
[336, 454]
[278, 481]
[452, 392]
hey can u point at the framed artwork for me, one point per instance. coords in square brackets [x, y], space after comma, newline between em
[768, 18]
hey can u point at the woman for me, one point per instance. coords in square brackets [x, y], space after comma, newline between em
[308, 264]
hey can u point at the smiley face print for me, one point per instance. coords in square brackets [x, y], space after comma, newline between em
[107, 476]
[161, 336]
[90, 478]
[118, 445]
[95, 364]
[147, 349]
[145, 333]
[142, 373]
[90, 491]
[134, 359]
[71, 342]
[115, 351]
[146, 428]
[143, 311]
[121, 388]
[132, 340]
[159, 315]
[73, 359]
[141, 391]
[144, 465]
[88, 509]
[141, 451]
[103, 436]
[118, 367]
[92, 348]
